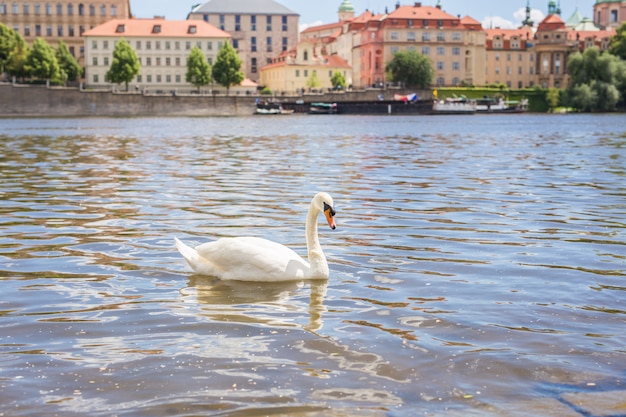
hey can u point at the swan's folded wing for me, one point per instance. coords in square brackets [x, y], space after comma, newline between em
[253, 259]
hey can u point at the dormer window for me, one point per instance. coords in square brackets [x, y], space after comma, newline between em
[120, 29]
[192, 29]
[156, 29]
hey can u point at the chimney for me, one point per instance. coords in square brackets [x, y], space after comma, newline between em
[418, 4]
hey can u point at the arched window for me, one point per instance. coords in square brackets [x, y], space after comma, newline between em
[37, 9]
[92, 10]
[59, 9]
[103, 10]
[48, 9]
[3, 8]
[113, 10]
[70, 9]
[14, 8]
[81, 9]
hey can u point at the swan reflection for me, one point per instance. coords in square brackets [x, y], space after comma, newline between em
[269, 303]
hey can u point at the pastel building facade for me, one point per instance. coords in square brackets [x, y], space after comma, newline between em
[162, 47]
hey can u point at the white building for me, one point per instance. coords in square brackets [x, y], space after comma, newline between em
[161, 45]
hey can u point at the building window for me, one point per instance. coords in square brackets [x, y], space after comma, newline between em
[168, 78]
[394, 50]
[222, 21]
[440, 81]
[285, 43]
[269, 23]
[297, 73]
[158, 61]
[193, 29]
[187, 45]
[177, 45]
[253, 66]
[456, 66]
[95, 61]
[60, 30]
[96, 79]
[253, 23]
[59, 9]
[70, 9]
[209, 46]
[70, 31]
[103, 10]
[26, 30]
[456, 36]
[26, 9]
[48, 9]
[284, 23]
[168, 61]
[237, 23]
[81, 9]
[269, 44]
[92, 10]
[114, 10]
[177, 61]
[410, 36]
[156, 29]
[37, 30]
[3, 8]
[158, 78]
[106, 61]
[168, 45]
[395, 36]
[613, 16]
[49, 30]
[120, 29]
[157, 45]
[456, 51]
[149, 78]
[425, 50]
[426, 36]
[148, 61]
[440, 65]
[441, 50]
[253, 43]
[178, 78]
[441, 36]
[236, 43]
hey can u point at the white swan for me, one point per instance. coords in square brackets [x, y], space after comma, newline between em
[256, 259]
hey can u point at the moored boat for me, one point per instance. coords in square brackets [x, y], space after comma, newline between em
[271, 108]
[323, 108]
[454, 106]
[492, 105]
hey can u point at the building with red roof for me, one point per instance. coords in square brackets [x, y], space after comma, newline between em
[162, 47]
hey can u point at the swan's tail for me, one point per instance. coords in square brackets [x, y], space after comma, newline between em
[196, 262]
[190, 254]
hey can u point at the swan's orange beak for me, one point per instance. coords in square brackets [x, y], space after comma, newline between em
[329, 213]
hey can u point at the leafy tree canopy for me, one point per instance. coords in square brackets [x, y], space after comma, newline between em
[69, 65]
[42, 62]
[198, 69]
[227, 69]
[411, 69]
[617, 46]
[596, 80]
[313, 81]
[338, 80]
[9, 40]
[125, 65]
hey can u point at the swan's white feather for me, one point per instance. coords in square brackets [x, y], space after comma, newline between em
[257, 259]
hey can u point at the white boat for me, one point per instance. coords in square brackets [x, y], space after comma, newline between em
[492, 105]
[454, 106]
[271, 108]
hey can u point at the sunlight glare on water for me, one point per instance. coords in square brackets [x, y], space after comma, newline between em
[478, 262]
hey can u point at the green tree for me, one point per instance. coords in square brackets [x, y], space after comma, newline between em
[8, 42]
[15, 64]
[69, 65]
[595, 80]
[198, 69]
[617, 46]
[411, 69]
[553, 96]
[42, 61]
[227, 68]
[125, 65]
[313, 81]
[338, 80]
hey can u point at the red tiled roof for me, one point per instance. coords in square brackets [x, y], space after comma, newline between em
[157, 28]
[423, 12]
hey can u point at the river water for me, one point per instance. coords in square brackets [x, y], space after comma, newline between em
[478, 265]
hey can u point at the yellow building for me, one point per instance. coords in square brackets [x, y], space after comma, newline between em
[57, 20]
[510, 57]
[291, 71]
[161, 45]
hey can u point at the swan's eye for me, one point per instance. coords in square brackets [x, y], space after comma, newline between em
[330, 209]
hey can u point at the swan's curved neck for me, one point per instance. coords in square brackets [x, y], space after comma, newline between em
[317, 260]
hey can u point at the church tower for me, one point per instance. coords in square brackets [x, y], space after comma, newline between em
[528, 21]
[553, 8]
[346, 11]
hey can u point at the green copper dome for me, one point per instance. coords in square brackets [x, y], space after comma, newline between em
[346, 7]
